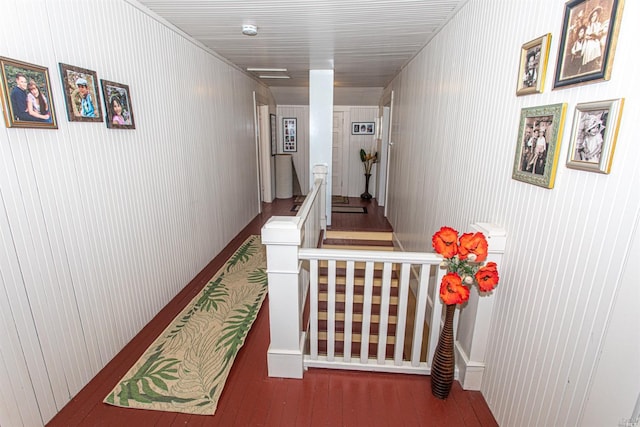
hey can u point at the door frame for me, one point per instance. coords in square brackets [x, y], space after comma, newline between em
[387, 144]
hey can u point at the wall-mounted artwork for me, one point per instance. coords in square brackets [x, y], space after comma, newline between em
[26, 95]
[594, 134]
[290, 137]
[363, 128]
[119, 111]
[538, 144]
[81, 94]
[589, 36]
[534, 57]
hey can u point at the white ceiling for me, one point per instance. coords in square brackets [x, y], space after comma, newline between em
[365, 42]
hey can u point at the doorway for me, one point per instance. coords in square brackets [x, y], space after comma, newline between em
[385, 152]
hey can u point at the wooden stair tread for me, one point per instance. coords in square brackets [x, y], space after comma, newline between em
[376, 299]
[357, 317]
[359, 235]
[357, 308]
[355, 338]
[357, 242]
[356, 328]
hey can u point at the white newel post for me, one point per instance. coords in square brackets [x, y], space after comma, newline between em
[320, 172]
[475, 318]
[282, 237]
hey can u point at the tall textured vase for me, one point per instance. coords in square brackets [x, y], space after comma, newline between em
[366, 195]
[443, 366]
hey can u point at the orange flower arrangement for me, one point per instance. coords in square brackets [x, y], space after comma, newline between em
[464, 257]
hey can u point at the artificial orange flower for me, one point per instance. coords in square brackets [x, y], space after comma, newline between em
[487, 277]
[445, 242]
[473, 243]
[452, 291]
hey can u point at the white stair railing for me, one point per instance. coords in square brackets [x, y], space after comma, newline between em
[288, 283]
[426, 265]
[293, 263]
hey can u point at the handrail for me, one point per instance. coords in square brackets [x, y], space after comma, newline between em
[426, 304]
[293, 263]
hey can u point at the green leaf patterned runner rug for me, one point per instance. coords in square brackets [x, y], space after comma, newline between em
[185, 369]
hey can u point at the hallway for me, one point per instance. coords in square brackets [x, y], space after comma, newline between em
[251, 398]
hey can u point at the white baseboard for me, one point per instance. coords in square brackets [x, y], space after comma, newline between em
[470, 373]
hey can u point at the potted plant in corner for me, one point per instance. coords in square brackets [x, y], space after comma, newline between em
[368, 159]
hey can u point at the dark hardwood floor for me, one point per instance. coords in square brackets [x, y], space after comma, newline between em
[251, 398]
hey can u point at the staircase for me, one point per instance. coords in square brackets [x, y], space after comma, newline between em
[357, 240]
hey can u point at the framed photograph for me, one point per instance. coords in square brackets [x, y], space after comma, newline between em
[81, 94]
[118, 108]
[26, 95]
[274, 140]
[290, 137]
[534, 57]
[594, 134]
[589, 36]
[363, 128]
[538, 144]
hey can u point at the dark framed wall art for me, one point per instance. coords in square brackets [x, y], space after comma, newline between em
[119, 111]
[588, 42]
[363, 128]
[81, 94]
[290, 135]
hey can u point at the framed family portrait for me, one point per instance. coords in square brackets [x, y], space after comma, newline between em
[290, 137]
[594, 134]
[81, 94]
[589, 36]
[272, 128]
[363, 128]
[538, 145]
[534, 57]
[118, 108]
[26, 95]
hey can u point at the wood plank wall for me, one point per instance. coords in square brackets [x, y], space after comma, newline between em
[455, 127]
[101, 227]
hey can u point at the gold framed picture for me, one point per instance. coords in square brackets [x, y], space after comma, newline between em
[594, 134]
[534, 57]
[538, 146]
[589, 37]
[26, 95]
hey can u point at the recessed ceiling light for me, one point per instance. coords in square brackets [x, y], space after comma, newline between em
[249, 30]
[268, 70]
[274, 77]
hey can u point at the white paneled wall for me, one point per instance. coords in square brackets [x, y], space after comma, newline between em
[301, 157]
[455, 130]
[101, 227]
[353, 170]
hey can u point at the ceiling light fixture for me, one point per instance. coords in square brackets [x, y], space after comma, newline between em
[268, 70]
[249, 30]
[274, 77]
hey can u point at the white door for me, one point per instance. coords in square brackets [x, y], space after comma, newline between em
[337, 155]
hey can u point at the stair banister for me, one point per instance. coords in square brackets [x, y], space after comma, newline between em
[283, 237]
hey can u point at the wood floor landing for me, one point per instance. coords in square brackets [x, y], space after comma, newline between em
[251, 398]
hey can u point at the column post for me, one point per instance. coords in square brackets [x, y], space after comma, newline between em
[475, 318]
[282, 237]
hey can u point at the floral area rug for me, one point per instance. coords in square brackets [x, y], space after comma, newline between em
[185, 369]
